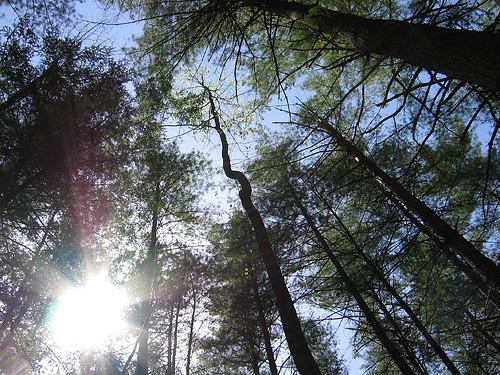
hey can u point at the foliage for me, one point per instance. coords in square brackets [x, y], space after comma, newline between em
[89, 176]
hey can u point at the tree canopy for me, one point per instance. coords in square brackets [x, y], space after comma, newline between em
[361, 137]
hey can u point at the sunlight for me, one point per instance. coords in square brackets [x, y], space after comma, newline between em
[90, 315]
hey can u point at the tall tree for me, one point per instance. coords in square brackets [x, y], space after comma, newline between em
[160, 191]
[335, 180]
[242, 299]
[297, 343]
[481, 264]
[469, 55]
[59, 129]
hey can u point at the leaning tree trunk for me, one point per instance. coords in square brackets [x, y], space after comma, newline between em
[491, 294]
[392, 290]
[398, 333]
[299, 349]
[471, 56]
[353, 289]
[485, 268]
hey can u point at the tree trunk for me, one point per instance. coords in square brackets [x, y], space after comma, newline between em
[402, 303]
[471, 56]
[264, 328]
[299, 349]
[490, 293]
[403, 341]
[143, 350]
[351, 286]
[176, 330]
[254, 360]
[191, 334]
[169, 340]
[477, 324]
[148, 282]
[482, 265]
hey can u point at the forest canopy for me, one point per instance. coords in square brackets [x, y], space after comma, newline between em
[250, 187]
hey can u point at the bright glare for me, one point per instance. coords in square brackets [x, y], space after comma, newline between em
[89, 316]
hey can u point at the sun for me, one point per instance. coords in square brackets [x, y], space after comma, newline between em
[90, 315]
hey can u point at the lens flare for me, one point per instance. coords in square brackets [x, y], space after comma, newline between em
[90, 315]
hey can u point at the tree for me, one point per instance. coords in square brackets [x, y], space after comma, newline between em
[447, 51]
[320, 341]
[59, 127]
[380, 207]
[242, 300]
[297, 343]
[165, 185]
[444, 50]
[479, 263]
[336, 181]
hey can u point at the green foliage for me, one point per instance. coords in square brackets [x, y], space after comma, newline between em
[319, 338]
[85, 176]
[237, 341]
[64, 112]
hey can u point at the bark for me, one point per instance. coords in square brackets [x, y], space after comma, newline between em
[176, 330]
[402, 303]
[351, 286]
[299, 349]
[471, 56]
[485, 268]
[264, 328]
[149, 281]
[191, 334]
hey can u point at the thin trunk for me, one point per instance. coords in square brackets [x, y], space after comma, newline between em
[402, 303]
[403, 341]
[254, 360]
[476, 323]
[255, 365]
[143, 351]
[299, 349]
[471, 56]
[264, 328]
[191, 335]
[490, 293]
[176, 326]
[149, 282]
[438, 228]
[351, 286]
[169, 340]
